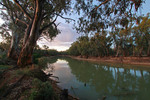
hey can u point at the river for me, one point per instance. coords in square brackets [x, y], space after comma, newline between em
[95, 81]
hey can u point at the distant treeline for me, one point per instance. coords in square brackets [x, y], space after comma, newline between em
[129, 41]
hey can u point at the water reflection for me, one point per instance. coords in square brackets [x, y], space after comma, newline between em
[91, 81]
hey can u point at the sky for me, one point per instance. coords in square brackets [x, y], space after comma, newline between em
[67, 36]
[64, 40]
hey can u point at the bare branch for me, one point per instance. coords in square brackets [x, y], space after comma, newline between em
[22, 9]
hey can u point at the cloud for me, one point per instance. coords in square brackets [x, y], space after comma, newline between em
[63, 40]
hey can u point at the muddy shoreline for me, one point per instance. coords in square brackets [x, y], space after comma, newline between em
[142, 61]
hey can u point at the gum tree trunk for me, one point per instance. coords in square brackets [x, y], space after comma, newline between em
[25, 57]
[13, 51]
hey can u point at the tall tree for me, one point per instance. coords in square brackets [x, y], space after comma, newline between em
[103, 14]
[142, 35]
[39, 18]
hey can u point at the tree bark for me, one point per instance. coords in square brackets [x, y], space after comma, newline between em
[133, 51]
[25, 57]
[148, 50]
[27, 33]
[13, 51]
[118, 51]
[140, 53]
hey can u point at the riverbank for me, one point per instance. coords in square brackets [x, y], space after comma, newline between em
[142, 61]
[29, 83]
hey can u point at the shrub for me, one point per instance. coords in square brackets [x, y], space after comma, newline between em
[42, 91]
[35, 57]
[44, 60]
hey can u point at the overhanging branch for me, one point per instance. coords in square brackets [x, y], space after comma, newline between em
[64, 17]
[45, 27]
[22, 9]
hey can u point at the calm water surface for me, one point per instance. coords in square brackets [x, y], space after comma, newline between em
[91, 81]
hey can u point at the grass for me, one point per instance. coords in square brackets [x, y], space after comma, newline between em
[42, 91]
[4, 67]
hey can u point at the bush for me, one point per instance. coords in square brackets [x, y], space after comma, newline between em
[35, 57]
[3, 67]
[42, 91]
[44, 60]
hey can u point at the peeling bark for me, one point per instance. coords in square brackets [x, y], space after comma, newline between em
[25, 57]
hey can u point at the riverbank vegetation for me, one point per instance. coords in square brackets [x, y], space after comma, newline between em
[130, 41]
[28, 21]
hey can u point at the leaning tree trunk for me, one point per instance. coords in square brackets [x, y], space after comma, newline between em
[13, 51]
[25, 57]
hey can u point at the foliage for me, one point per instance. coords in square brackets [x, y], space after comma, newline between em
[104, 14]
[133, 40]
[37, 19]
[4, 46]
[3, 67]
[2, 54]
[40, 53]
[3, 57]
[73, 50]
[98, 45]
[42, 91]
[43, 61]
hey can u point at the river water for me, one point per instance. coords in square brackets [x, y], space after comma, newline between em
[95, 81]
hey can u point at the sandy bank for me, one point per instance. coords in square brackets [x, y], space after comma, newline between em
[143, 61]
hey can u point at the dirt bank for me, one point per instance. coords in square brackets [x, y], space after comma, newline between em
[143, 61]
[30, 84]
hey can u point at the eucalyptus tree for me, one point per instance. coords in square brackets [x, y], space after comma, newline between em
[84, 46]
[103, 43]
[39, 18]
[142, 35]
[73, 50]
[11, 26]
[107, 15]
[103, 14]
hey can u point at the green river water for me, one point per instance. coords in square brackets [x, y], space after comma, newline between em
[94, 81]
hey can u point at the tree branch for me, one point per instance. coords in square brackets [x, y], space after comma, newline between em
[64, 17]
[21, 21]
[22, 9]
[4, 6]
[3, 9]
[45, 27]
[100, 4]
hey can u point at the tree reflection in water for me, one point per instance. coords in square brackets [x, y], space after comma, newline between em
[110, 81]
